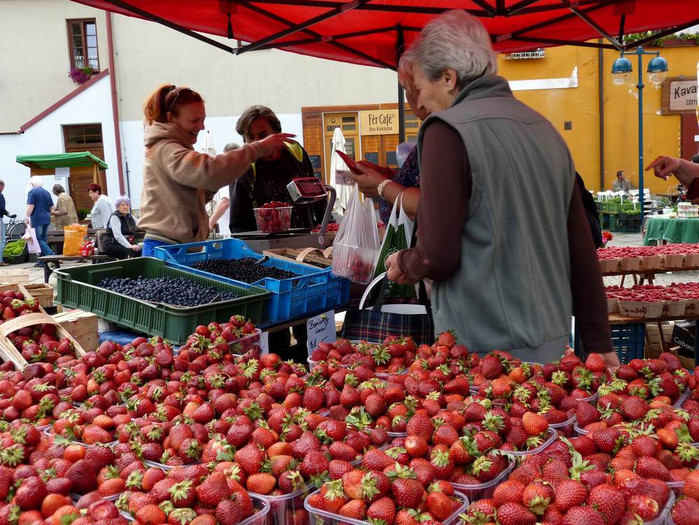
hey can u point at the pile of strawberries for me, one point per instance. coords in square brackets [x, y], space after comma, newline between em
[391, 434]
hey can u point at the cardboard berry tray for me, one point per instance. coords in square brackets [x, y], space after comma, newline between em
[8, 350]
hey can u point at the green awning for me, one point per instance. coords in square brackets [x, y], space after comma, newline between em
[61, 160]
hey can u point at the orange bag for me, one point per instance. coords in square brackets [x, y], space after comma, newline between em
[74, 235]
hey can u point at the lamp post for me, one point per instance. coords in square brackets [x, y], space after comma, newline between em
[621, 69]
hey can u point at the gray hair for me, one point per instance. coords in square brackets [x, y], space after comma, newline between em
[121, 200]
[454, 40]
[231, 146]
[36, 181]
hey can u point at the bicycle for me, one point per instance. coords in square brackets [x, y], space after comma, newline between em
[15, 229]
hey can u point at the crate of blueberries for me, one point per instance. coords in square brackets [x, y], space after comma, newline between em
[296, 288]
[148, 296]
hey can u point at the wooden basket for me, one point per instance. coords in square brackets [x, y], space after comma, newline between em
[314, 256]
[9, 350]
[42, 292]
[15, 275]
[83, 326]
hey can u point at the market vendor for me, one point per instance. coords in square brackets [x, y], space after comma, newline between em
[501, 225]
[177, 180]
[267, 178]
[119, 240]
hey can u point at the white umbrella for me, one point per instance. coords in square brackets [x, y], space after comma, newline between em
[210, 150]
[339, 173]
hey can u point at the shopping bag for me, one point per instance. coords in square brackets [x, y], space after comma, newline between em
[73, 237]
[375, 323]
[356, 245]
[32, 242]
[399, 232]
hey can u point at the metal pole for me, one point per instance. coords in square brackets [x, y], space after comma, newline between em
[640, 53]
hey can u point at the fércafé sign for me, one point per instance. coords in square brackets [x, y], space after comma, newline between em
[679, 95]
[379, 121]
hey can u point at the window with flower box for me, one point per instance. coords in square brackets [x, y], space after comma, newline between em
[82, 41]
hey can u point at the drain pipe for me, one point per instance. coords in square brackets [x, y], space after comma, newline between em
[115, 105]
[600, 82]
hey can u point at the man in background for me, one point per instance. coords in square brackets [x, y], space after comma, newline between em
[621, 184]
[3, 213]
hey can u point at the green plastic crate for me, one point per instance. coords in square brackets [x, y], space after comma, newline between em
[77, 288]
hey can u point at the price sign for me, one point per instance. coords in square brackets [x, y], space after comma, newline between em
[320, 328]
[264, 343]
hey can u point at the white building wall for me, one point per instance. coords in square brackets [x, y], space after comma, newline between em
[46, 136]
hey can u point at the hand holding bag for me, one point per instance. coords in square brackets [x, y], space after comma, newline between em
[32, 243]
[375, 323]
[399, 232]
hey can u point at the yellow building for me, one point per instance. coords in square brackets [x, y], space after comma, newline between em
[603, 137]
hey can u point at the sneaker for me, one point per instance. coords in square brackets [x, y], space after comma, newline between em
[4, 264]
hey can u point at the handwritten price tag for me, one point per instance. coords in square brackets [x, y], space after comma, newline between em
[321, 328]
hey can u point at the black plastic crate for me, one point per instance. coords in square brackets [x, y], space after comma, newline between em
[629, 341]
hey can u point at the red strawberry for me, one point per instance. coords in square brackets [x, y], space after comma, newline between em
[646, 507]
[407, 492]
[213, 489]
[228, 512]
[384, 510]
[569, 493]
[439, 505]
[586, 515]
[354, 509]
[609, 501]
[685, 511]
[652, 468]
[633, 407]
[515, 514]
[534, 424]
[508, 491]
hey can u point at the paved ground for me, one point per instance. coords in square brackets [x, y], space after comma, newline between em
[36, 275]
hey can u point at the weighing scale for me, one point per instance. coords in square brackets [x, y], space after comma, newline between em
[306, 190]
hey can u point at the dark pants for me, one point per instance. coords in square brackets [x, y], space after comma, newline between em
[117, 251]
[41, 232]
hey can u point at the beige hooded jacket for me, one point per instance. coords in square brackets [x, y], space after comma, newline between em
[178, 181]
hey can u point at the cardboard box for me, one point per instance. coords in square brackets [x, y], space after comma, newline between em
[83, 326]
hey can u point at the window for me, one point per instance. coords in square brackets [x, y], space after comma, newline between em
[82, 40]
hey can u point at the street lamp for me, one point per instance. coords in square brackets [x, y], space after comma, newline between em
[622, 69]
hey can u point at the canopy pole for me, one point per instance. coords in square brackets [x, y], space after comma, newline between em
[400, 44]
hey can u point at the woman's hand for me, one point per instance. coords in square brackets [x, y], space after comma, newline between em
[394, 272]
[136, 247]
[611, 359]
[272, 143]
[663, 166]
[368, 180]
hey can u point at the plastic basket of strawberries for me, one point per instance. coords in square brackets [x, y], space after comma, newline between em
[273, 217]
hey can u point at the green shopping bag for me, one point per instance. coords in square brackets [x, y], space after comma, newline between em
[399, 232]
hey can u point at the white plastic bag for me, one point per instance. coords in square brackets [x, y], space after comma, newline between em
[356, 245]
[32, 243]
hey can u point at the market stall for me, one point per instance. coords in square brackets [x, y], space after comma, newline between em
[663, 229]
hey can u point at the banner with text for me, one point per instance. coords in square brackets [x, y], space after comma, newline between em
[378, 122]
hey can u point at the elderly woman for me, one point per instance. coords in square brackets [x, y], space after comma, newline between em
[64, 211]
[501, 225]
[118, 240]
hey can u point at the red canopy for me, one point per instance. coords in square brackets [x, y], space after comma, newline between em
[370, 32]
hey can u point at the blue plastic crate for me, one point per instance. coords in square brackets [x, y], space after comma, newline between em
[311, 290]
[629, 341]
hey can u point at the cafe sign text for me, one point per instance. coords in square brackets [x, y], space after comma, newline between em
[679, 95]
[379, 122]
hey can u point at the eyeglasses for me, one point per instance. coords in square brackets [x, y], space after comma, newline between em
[187, 91]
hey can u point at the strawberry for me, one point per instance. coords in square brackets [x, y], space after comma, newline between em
[420, 425]
[384, 510]
[491, 367]
[645, 446]
[569, 493]
[609, 501]
[650, 467]
[595, 363]
[439, 505]
[354, 509]
[633, 407]
[213, 489]
[375, 459]
[183, 494]
[644, 506]
[508, 491]
[515, 514]
[587, 515]
[261, 483]
[150, 515]
[534, 424]
[250, 458]
[407, 492]
[536, 497]
[685, 511]
[31, 493]
[691, 485]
